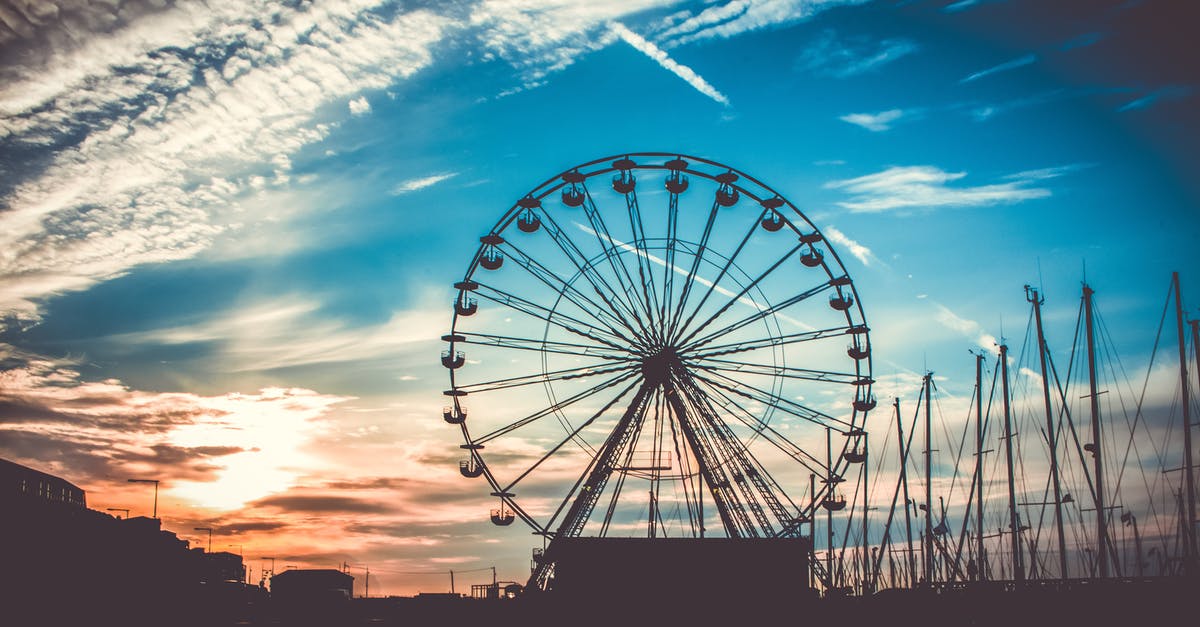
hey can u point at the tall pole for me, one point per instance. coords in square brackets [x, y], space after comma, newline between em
[1102, 556]
[1189, 534]
[812, 527]
[1032, 296]
[928, 545]
[866, 559]
[155, 482]
[1013, 521]
[981, 554]
[829, 512]
[1101, 512]
[912, 565]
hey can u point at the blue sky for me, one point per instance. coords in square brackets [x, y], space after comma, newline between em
[230, 229]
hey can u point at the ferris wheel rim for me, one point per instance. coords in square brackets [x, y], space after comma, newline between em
[758, 192]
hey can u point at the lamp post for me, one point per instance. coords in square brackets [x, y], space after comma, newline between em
[155, 482]
[209, 530]
[267, 575]
[118, 509]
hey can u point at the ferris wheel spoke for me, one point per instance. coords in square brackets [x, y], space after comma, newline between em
[626, 462]
[825, 376]
[733, 515]
[763, 312]
[574, 434]
[581, 372]
[780, 441]
[587, 489]
[768, 342]
[732, 455]
[543, 346]
[610, 245]
[619, 301]
[669, 268]
[695, 517]
[558, 319]
[712, 285]
[740, 295]
[568, 291]
[637, 228]
[751, 392]
[555, 408]
[761, 483]
[677, 314]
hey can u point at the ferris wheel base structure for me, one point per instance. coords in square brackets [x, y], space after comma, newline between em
[650, 569]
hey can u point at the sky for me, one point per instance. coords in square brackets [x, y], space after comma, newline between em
[229, 230]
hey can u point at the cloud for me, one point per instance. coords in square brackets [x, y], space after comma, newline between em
[967, 328]
[927, 187]
[312, 504]
[413, 185]
[961, 5]
[1019, 62]
[834, 57]
[539, 39]
[204, 446]
[1166, 93]
[876, 122]
[359, 106]
[984, 112]
[157, 126]
[660, 57]
[860, 252]
[742, 16]
[290, 331]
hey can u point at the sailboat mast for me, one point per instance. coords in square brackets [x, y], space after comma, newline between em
[1032, 296]
[829, 482]
[912, 564]
[1189, 534]
[1101, 512]
[928, 545]
[1013, 522]
[981, 553]
[866, 559]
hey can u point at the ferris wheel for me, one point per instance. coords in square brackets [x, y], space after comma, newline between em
[657, 345]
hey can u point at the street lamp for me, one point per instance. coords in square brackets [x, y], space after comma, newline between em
[118, 509]
[209, 530]
[155, 482]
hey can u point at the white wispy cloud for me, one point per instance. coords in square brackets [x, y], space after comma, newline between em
[961, 5]
[360, 106]
[291, 331]
[968, 328]
[928, 187]
[1018, 62]
[660, 57]
[1166, 93]
[539, 38]
[843, 57]
[413, 185]
[173, 141]
[876, 122]
[860, 252]
[741, 16]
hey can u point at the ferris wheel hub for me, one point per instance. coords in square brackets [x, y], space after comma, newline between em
[657, 366]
